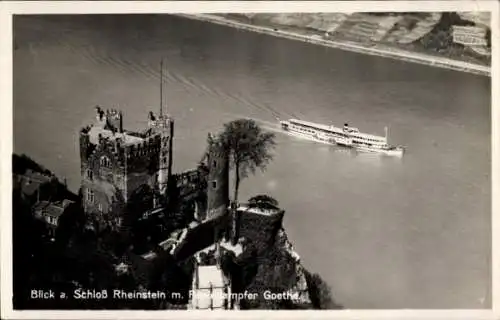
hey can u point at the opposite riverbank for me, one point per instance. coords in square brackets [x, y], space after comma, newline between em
[377, 50]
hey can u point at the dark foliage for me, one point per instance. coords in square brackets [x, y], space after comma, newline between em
[62, 265]
[69, 224]
[21, 163]
[78, 258]
[140, 200]
[53, 190]
[242, 270]
[181, 206]
[263, 201]
[320, 293]
[173, 194]
[28, 238]
[440, 38]
[274, 271]
[261, 229]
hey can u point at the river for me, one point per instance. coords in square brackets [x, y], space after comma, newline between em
[384, 233]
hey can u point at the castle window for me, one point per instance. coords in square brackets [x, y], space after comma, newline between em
[105, 162]
[214, 184]
[90, 195]
[100, 206]
[214, 164]
[90, 174]
[52, 220]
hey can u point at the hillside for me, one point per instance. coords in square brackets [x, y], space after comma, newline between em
[424, 33]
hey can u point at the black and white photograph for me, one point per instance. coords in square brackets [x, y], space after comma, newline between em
[261, 159]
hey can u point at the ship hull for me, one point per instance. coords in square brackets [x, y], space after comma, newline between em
[396, 152]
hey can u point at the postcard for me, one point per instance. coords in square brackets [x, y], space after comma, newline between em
[227, 159]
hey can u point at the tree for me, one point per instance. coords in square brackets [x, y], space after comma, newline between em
[71, 222]
[21, 163]
[263, 201]
[249, 148]
[320, 292]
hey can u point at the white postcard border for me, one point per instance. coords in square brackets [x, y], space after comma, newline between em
[7, 9]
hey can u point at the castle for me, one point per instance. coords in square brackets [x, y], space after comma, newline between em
[119, 166]
[127, 176]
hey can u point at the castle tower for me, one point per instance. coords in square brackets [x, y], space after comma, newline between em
[118, 165]
[103, 169]
[164, 126]
[218, 179]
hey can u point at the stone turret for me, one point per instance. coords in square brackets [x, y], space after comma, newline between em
[115, 120]
[163, 125]
[110, 119]
[218, 179]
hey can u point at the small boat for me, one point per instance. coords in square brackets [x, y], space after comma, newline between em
[346, 136]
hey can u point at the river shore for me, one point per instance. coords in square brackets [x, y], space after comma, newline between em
[378, 50]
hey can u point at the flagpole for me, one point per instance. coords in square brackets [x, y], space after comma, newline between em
[161, 87]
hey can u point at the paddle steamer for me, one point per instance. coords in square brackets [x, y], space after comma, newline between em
[346, 136]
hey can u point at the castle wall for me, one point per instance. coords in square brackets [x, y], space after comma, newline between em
[106, 197]
[187, 182]
[115, 163]
[134, 161]
[102, 172]
[144, 156]
[85, 146]
[260, 229]
[142, 164]
[165, 165]
[200, 237]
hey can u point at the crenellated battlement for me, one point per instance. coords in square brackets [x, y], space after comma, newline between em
[107, 135]
[215, 148]
[146, 148]
[118, 148]
[111, 149]
[160, 123]
[189, 179]
[126, 160]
